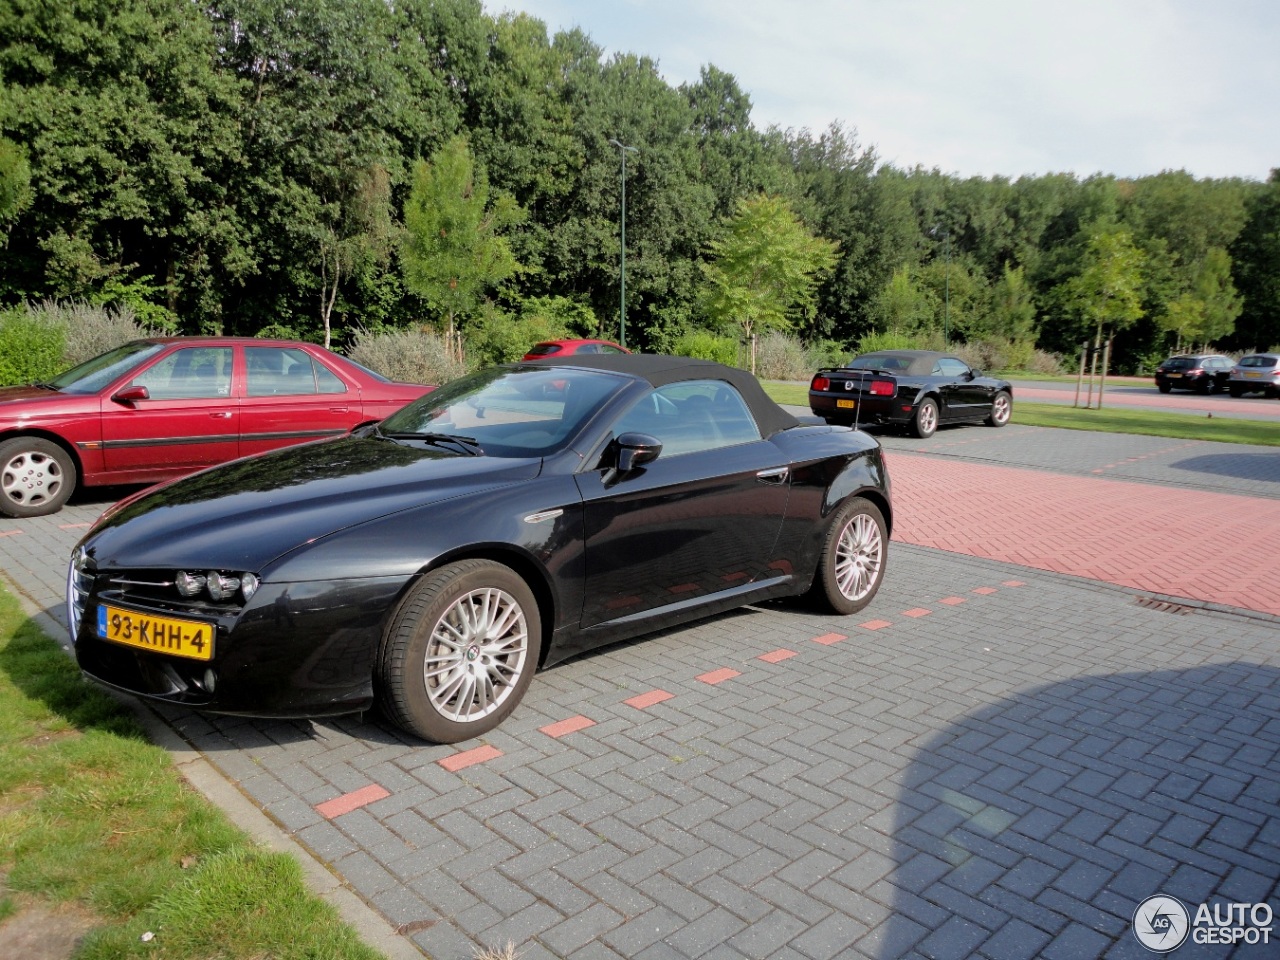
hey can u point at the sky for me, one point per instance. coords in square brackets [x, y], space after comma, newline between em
[980, 87]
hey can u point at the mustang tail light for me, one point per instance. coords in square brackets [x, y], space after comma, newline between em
[881, 388]
[820, 383]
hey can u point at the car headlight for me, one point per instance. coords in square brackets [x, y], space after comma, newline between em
[219, 585]
[188, 584]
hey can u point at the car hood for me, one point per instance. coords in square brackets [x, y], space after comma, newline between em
[32, 401]
[245, 514]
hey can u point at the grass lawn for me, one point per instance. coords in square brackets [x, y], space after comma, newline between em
[1108, 419]
[95, 818]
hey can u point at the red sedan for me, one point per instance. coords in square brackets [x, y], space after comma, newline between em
[156, 409]
[566, 348]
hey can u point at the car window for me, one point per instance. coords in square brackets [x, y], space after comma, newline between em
[690, 416]
[1258, 361]
[605, 348]
[950, 367]
[1177, 363]
[189, 373]
[287, 371]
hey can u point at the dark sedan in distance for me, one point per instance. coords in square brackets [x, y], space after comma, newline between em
[158, 408]
[1201, 372]
[919, 390]
[510, 519]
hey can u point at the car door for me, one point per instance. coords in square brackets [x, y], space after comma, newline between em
[290, 398]
[188, 419]
[700, 519]
[964, 396]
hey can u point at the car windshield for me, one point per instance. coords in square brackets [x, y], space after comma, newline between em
[92, 375]
[507, 411]
[1178, 363]
[544, 349]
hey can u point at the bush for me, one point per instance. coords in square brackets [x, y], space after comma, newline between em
[411, 356]
[91, 330]
[31, 348]
[498, 337]
[780, 357]
[704, 345]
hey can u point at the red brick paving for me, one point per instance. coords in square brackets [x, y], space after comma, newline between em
[352, 801]
[1144, 536]
[563, 728]
[644, 700]
[469, 758]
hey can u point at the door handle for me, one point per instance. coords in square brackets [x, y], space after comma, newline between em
[337, 409]
[776, 475]
[221, 415]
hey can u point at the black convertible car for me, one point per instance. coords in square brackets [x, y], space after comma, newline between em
[916, 389]
[506, 521]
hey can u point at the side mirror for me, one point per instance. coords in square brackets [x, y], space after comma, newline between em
[635, 450]
[131, 394]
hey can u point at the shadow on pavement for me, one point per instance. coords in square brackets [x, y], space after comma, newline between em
[1047, 818]
[1247, 466]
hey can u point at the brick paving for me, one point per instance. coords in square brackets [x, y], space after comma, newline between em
[995, 759]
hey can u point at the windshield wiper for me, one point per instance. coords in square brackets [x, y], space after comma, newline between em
[468, 445]
[41, 385]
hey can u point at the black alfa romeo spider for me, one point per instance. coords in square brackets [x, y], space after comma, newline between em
[506, 521]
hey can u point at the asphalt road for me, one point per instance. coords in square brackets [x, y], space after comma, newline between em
[1127, 392]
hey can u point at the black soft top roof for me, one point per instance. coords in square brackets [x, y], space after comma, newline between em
[912, 363]
[661, 370]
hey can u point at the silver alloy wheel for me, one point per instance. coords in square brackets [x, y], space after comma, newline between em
[928, 417]
[476, 655]
[31, 478]
[859, 556]
[1000, 408]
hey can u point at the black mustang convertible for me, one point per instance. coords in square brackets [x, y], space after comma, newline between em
[506, 521]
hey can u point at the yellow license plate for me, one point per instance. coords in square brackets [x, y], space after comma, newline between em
[1174, 376]
[1252, 376]
[179, 638]
[846, 404]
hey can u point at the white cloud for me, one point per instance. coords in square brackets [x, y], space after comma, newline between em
[983, 87]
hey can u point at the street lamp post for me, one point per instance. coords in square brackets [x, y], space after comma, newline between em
[623, 149]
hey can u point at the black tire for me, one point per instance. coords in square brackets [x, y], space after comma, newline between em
[1235, 390]
[36, 477]
[852, 563]
[1164, 387]
[925, 423]
[1001, 409]
[476, 683]
[1204, 387]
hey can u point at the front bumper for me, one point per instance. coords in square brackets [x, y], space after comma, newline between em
[295, 649]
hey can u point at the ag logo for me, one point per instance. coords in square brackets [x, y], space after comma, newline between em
[1161, 923]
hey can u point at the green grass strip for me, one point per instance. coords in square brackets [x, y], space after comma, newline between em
[93, 814]
[1108, 420]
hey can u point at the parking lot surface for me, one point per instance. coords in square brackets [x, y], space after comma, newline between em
[1009, 749]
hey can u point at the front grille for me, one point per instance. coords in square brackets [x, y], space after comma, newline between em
[79, 586]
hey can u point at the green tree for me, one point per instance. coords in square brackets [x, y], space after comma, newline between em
[764, 272]
[1208, 311]
[903, 307]
[1256, 258]
[1013, 311]
[131, 133]
[454, 250]
[1107, 293]
[15, 181]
